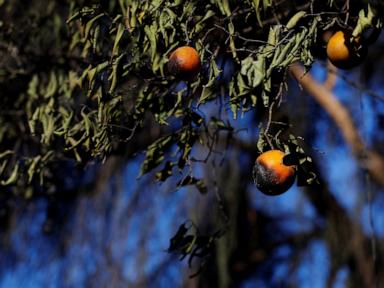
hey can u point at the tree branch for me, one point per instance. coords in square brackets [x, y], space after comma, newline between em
[368, 159]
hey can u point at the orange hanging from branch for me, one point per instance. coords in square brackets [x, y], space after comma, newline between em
[271, 175]
[184, 63]
[344, 51]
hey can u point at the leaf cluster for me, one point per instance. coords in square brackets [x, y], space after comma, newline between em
[82, 82]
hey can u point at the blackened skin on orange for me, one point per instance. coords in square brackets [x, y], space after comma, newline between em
[175, 67]
[272, 181]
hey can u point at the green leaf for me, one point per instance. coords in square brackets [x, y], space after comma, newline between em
[90, 24]
[256, 5]
[253, 70]
[221, 124]
[266, 4]
[33, 86]
[224, 7]
[81, 13]
[190, 180]
[48, 123]
[33, 167]
[6, 153]
[178, 239]
[231, 30]
[118, 37]
[207, 15]
[261, 143]
[12, 178]
[166, 172]
[207, 92]
[365, 22]
[155, 153]
[200, 185]
[52, 86]
[151, 32]
[91, 73]
[114, 75]
[295, 19]
[274, 35]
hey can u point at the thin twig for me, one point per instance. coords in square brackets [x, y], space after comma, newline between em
[270, 111]
[355, 85]
[219, 199]
[241, 37]
[346, 8]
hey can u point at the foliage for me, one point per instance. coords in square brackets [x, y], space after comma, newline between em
[193, 244]
[83, 81]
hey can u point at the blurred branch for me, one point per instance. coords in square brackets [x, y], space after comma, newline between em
[345, 238]
[330, 81]
[355, 253]
[368, 159]
[244, 267]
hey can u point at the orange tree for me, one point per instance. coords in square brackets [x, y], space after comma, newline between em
[89, 82]
[87, 89]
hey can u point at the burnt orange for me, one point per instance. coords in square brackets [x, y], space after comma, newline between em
[271, 175]
[184, 63]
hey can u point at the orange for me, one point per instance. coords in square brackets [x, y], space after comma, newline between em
[344, 51]
[271, 175]
[184, 63]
